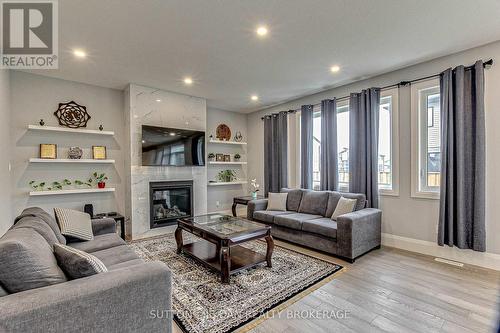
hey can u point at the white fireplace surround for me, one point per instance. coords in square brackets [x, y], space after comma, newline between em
[149, 106]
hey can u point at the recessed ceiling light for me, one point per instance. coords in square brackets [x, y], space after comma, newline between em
[261, 31]
[334, 69]
[254, 98]
[158, 100]
[79, 53]
[172, 134]
[188, 81]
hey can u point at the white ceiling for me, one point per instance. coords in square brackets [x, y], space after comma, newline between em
[157, 43]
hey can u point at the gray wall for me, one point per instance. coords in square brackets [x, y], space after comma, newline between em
[406, 216]
[34, 97]
[220, 198]
[5, 195]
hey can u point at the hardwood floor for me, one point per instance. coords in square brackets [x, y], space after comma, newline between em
[391, 290]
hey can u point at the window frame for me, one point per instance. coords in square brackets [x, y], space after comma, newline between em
[394, 94]
[419, 140]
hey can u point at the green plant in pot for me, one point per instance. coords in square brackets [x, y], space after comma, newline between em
[100, 179]
[80, 183]
[37, 187]
[211, 156]
[237, 157]
[226, 176]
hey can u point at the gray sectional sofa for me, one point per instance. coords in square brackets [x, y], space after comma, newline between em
[307, 222]
[120, 300]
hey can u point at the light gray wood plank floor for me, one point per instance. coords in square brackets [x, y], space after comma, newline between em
[391, 290]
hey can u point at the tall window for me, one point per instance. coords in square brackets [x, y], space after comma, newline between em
[426, 139]
[343, 144]
[316, 147]
[388, 143]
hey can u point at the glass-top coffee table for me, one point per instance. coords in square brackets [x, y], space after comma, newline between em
[219, 247]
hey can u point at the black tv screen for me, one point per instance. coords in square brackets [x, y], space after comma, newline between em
[163, 146]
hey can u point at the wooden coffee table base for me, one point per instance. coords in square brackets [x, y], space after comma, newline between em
[225, 259]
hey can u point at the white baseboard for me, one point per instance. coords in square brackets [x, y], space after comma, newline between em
[483, 259]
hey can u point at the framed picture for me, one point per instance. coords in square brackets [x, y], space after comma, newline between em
[48, 151]
[219, 157]
[227, 158]
[99, 152]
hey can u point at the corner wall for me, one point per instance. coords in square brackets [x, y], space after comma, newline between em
[5, 147]
[403, 216]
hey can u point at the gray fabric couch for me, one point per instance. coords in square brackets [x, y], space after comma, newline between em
[307, 222]
[131, 297]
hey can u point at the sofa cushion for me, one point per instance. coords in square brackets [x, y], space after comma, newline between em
[314, 202]
[39, 226]
[268, 215]
[293, 199]
[46, 217]
[27, 261]
[74, 223]
[100, 242]
[116, 255]
[334, 197]
[322, 226]
[76, 263]
[126, 264]
[293, 221]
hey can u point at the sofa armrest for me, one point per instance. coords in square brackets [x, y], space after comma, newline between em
[358, 232]
[255, 205]
[103, 226]
[134, 299]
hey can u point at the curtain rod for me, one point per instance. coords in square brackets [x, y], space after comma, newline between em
[399, 84]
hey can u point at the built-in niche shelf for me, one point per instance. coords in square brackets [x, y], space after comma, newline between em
[69, 160]
[227, 142]
[73, 191]
[227, 163]
[236, 182]
[69, 130]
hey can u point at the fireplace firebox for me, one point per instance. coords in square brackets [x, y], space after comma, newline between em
[169, 201]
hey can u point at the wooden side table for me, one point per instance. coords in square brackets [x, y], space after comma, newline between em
[243, 201]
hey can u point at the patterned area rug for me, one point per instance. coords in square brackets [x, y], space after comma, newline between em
[202, 303]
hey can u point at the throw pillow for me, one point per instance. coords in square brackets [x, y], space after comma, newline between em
[74, 223]
[76, 263]
[344, 206]
[277, 201]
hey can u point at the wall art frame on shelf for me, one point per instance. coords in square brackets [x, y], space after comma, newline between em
[48, 151]
[99, 152]
[219, 157]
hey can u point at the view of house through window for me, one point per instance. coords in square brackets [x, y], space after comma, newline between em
[343, 145]
[430, 141]
[384, 143]
[316, 147]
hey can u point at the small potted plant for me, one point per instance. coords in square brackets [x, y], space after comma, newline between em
[254, 188]
[211, 156]
[100, 179]
[226, 176]
[237, 157]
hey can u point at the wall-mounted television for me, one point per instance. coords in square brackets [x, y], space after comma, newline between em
[164, 146]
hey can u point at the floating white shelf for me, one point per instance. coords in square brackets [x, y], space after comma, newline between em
[236, 182]
[227, 142]
[227, 163]
[74, 191]
[69, 130]
[69, 160]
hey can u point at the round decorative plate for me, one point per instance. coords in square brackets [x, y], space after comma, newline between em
[75, 153]
[223, 132]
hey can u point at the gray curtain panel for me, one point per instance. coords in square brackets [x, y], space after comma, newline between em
[462, 205]
[363, 144]
[275, 152]
[328, 167]
[306, 146]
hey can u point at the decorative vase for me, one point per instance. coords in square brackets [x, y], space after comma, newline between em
[101, 184]
[75, 153]
[254, 195]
